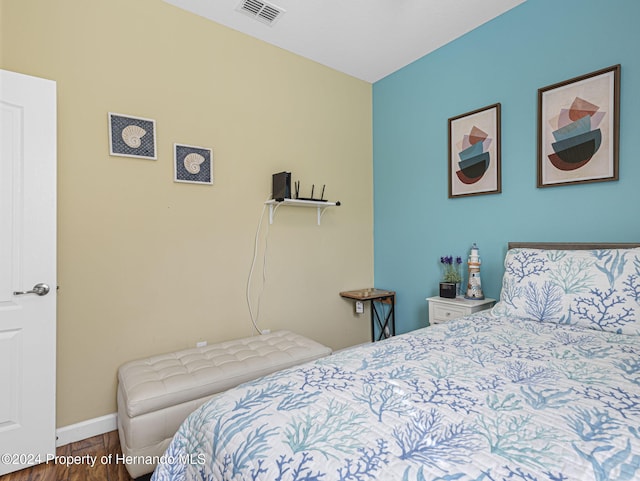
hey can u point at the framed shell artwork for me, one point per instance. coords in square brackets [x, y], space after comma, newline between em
[132, 136]
[193, 164]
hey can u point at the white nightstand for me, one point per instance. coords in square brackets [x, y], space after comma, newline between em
[442, 309]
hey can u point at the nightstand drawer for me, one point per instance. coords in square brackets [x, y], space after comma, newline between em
[446, 313]
[442, 309]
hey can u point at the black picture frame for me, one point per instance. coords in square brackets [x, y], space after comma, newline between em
[474, 163]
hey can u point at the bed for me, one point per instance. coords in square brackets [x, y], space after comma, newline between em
[544, 386]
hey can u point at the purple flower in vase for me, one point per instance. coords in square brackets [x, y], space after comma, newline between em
[451, 269]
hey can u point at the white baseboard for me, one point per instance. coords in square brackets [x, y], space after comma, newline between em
[86, 429]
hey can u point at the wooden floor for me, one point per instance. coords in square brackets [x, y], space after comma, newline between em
[101, 446]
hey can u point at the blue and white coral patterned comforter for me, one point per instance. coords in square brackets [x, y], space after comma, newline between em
[481, 398]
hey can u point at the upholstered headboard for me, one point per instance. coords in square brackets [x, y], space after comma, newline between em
[592, 284]
[573, 245]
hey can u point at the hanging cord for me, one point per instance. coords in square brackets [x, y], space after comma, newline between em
[256, 317]
[264, 266]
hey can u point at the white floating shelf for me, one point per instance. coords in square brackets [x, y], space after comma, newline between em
[319, 205]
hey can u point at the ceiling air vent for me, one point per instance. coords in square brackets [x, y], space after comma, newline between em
[262, 11]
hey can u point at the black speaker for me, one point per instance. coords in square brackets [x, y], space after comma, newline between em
[281, 187]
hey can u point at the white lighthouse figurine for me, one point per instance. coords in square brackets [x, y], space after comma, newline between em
[474, 286]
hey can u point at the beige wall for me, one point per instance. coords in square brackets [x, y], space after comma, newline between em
[146, 265]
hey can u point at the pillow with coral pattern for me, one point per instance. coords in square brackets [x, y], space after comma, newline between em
[598, 289]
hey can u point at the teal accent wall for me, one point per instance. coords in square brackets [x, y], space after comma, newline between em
[538, 43]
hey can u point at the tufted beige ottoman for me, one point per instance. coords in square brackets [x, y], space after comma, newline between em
[156, 394]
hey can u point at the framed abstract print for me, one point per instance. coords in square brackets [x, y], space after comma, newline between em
[578, 129]
[474, 153]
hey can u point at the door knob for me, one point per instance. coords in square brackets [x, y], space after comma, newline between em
[40, 289]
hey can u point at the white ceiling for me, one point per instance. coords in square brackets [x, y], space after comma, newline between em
[367, 39]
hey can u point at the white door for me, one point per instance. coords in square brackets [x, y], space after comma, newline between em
[27, 258]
